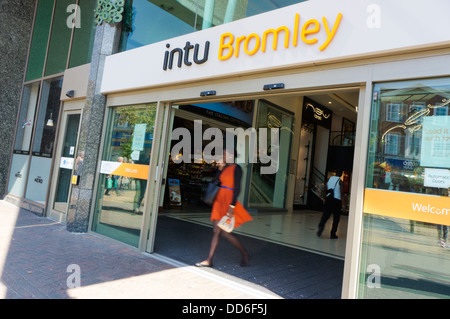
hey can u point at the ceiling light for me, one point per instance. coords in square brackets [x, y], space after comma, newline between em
[50, 120]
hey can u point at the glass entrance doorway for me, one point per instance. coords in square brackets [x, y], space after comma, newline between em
[284, 207]
[68, 166]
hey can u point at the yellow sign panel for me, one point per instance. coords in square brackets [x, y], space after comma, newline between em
[132, 170]
[424, 208]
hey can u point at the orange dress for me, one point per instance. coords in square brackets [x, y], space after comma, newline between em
[224, 198]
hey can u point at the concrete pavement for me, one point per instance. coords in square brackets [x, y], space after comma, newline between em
[40, 259]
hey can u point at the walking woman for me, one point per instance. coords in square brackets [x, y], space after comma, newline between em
[226, 203]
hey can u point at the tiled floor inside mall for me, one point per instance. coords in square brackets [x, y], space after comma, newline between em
[297, 229]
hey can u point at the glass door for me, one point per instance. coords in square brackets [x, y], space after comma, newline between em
[163, 124]
[68, 166]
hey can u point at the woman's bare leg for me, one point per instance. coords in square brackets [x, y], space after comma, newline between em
[214, 242]
[231, 238]
[236, 243]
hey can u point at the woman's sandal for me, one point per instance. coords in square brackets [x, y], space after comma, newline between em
[203, 264]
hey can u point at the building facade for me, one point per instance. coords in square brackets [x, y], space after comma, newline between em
[122, 118]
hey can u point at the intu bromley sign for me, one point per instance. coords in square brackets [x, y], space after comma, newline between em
[303, 34]
[231, 45]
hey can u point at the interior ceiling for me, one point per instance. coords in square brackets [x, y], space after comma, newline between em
[342, 103]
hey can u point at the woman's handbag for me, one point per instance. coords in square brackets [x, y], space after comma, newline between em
[211, 192]
[226, 223]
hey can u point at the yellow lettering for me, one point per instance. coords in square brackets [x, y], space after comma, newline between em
[275, 38]
[332, 33]
[297, 27]
[238, 45]
[224, 46]
[306, 31]
[231, 46]
[257, 45]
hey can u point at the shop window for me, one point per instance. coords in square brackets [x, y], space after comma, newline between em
[19, 164]
[405, 240]
[39, 41]
[173, 18]
[124, 172]
[44, 141]
[59, 39]
[47, 119]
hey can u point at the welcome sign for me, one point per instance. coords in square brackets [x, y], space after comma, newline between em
[304, 34]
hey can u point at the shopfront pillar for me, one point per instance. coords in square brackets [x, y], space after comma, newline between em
[106, 43]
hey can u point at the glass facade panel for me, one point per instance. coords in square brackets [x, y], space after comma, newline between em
[269, 189]
[59, 39]
[173, 18]
[19, 166]
[162, 25]
[26, 118]
[47, 119]
[38, 47]
[124, 173]
[405, 247]
[83, 37]
[44, 140]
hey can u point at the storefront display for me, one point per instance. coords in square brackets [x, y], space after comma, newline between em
[191, 180]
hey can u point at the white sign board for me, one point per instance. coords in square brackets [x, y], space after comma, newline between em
[439, 178]
[435, 142]
[66, 163]
[303, 34]
[139, 137]
[109, 167]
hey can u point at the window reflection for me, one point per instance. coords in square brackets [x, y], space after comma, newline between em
[158, 20]
[409, 139]
[403, 111]
[124, 172]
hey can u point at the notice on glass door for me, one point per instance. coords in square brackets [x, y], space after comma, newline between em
[139, 137]
[436, 142]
